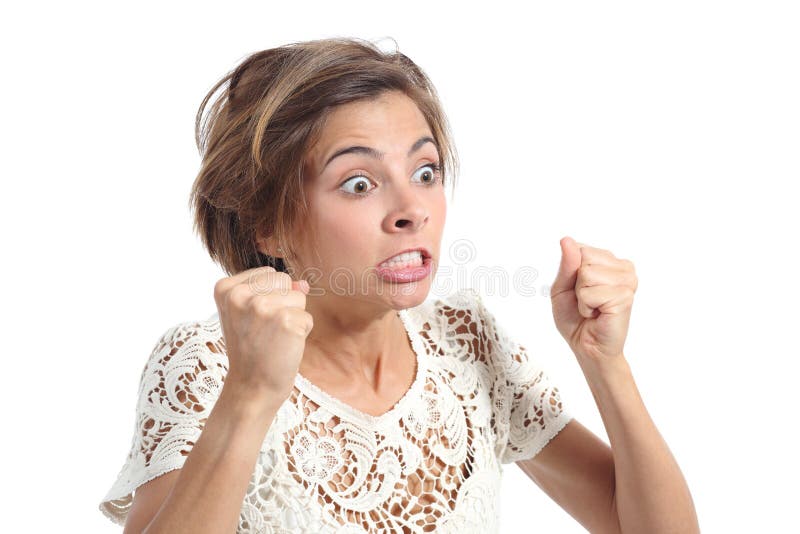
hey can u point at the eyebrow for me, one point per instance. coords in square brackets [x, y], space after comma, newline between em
[371, 152]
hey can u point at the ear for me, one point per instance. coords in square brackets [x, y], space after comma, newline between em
[268, 246]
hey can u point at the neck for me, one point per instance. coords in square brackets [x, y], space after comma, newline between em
[353, 341]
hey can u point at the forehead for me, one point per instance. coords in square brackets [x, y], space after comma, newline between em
[388, 122]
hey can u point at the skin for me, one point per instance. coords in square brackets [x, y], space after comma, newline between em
[358, 347]
[358, 350]
[635, 485]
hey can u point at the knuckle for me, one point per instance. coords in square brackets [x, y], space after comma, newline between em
[219, 289]
[261, 307]
[301, 297]
[239, 295]
[260, 281]
[285, 318]
[282, 279]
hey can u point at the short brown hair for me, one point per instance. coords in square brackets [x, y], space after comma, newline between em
[271, 110]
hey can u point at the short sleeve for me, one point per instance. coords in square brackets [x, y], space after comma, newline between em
[177, 390]
[527, 407]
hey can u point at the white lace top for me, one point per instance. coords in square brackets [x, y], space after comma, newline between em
[430, 464]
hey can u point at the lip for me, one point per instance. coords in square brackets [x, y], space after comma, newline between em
[425, 254]
[407, 274]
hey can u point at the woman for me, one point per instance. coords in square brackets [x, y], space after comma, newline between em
[339, 399]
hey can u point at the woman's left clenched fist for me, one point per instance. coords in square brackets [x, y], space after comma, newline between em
[592, 297]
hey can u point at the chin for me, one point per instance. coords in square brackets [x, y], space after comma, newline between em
[409, 295]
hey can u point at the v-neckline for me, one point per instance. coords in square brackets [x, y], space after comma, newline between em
[343, 410]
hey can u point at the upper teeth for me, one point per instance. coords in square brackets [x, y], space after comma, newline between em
[404, 257]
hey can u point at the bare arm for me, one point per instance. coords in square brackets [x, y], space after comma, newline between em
[206, 494]
[651, 494]
[633, 486]
[576, 470]
[592, 297]
[264, 324]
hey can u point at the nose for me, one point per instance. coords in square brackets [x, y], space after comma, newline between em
[409, 212]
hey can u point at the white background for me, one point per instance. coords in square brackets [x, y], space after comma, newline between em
[666, 133]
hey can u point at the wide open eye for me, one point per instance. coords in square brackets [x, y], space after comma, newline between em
[359, 183]
[429, 174]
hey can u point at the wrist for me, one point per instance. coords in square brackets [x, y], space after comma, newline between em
[605, 370]
[249, 402]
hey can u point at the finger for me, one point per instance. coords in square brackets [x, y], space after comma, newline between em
[265, 282]
[301, 317]
[270, 302]
[598, 274]
[567, 268]
[224, 285]
[596, 256]
[605, 299]
[301, 285]
[269, 281]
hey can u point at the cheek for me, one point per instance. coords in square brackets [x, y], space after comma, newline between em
[344, 228]
[439, 208]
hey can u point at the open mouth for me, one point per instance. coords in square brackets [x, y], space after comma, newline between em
[408, 266]
[413, 258]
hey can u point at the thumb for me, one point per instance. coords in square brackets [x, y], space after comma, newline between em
[568, 269]
[301, 285]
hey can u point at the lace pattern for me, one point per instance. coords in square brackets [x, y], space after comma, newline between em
[430, 464]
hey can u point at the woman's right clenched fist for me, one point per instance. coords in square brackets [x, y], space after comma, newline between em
[265, 325]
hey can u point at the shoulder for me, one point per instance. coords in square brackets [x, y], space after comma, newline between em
[181, 336]
[463, 319]
[453, 324]
[188, 335]
[187, 350]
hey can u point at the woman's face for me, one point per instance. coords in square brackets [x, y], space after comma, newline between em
[368, 204]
